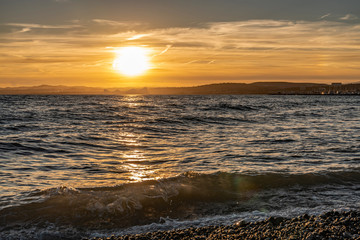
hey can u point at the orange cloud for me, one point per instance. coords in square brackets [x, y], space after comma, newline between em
[256, 50]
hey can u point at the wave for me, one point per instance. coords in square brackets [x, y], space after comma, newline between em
[14, 146]
[214, 120]
[188, 196]
[228, 106]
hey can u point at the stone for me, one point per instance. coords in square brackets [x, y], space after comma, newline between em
[275, 221]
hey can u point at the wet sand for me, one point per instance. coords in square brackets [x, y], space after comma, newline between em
[330, 225]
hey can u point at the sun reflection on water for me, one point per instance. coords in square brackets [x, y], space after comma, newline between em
[138, 167]
[135, 162]
[129, 139]
[132, 100]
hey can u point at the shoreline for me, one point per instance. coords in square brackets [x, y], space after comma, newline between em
[329, 225]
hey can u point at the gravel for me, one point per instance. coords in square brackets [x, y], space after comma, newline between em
[330, 225]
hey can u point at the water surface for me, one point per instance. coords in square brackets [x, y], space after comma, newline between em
[75, 166]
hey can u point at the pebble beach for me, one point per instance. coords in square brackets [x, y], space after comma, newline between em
[330, 225]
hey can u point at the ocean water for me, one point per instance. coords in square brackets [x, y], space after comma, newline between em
[86, 166]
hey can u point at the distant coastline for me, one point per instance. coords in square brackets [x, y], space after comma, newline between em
[282, 88]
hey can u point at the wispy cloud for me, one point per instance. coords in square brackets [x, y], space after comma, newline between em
[349, 17]
[24, 30]
[253, 49]
[108, 22]
[165, 50]
[138, 36]
[325, 16]
[115, 23]
[30, 25]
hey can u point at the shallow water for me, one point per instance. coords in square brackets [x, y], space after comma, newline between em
[74, 166]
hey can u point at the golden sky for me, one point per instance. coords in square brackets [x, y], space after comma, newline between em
[82, 51]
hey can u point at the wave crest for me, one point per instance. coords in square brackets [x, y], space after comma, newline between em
[188, 196]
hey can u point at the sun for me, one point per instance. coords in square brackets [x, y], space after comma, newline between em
[131, 61]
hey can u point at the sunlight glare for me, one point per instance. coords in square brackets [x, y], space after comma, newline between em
[131, 61]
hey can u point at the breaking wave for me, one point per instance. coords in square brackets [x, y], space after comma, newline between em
[188, 196]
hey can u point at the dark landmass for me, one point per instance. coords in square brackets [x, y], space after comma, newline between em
[211, 89]
[331, 225]
[51, 90]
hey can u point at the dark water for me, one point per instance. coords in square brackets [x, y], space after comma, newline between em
[85, 166]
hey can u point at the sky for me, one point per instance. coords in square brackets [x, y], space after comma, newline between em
[189, 42]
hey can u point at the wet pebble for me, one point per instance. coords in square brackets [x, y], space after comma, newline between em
[330, 225]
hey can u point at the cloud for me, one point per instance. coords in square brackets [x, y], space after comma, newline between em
[108, 22]
[31, 25]
[258, 34]
[115, 23]
[138, 36]
[25, 30]
[234, 50]
[261, 35]
[325, 16]
[348, 17]
[165, 50]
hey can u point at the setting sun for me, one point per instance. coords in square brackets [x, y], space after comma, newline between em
[131, 61]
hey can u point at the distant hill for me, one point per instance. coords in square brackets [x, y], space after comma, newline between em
[234, 88]
[219, 88]
[50, 90]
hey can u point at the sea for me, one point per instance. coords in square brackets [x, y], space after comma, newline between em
[75, 167]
